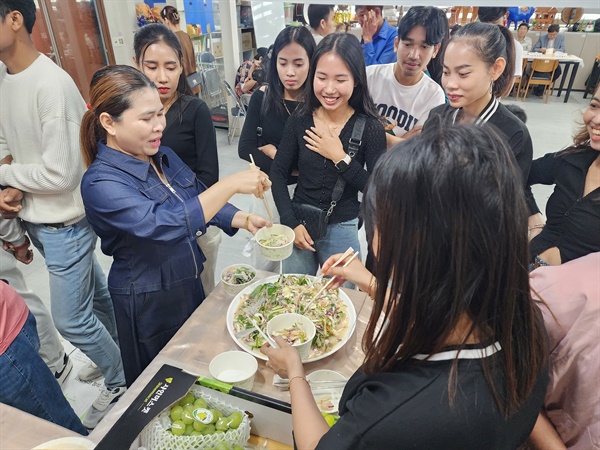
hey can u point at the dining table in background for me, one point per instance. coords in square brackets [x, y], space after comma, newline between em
[569, 61]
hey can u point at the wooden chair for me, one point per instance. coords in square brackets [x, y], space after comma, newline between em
[519, 80]
[542, 73]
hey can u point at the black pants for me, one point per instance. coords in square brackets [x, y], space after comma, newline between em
[146, 322]
[540, 89]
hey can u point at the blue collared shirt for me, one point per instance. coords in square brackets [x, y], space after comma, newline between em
[381, 49]
[149, 229]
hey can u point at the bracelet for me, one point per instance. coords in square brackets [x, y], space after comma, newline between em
[372, 288]
[297, 376]
[247, 222]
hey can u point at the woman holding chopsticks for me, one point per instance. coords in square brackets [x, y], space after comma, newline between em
[148, 208]
[461, 360]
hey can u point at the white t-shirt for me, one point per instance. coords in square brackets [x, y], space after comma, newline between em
[518, 59]
[402, 106]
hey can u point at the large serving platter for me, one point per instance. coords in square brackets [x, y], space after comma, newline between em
[237, 300]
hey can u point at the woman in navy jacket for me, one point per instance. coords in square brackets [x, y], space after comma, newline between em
[148, 208]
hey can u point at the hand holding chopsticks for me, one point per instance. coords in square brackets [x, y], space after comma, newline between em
[331, 280]
[268, 185]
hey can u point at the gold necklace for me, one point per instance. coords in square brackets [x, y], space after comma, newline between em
[286, 108]
[167, 107]
[332, 124]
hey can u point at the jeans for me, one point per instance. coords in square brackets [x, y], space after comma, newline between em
[51, 349]
[148, 321]
[80, 303]
[338, 238]
[27, 384]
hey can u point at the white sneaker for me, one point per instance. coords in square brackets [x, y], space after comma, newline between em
[103, 404]
[89, 372]
[62, 375]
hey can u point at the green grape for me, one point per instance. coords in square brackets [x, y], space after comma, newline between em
[235, 419]
[195, 433]
[187, 417]
[200, 403]
[216, 415]
[222, 446]
[187, 400]
[189, 407]
[222, 424]
[176, 412]
[198, 426]
[178, 428]
[188, 430]
[237, 447]
[210, 429]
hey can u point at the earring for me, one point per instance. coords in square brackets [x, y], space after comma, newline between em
[492, 86]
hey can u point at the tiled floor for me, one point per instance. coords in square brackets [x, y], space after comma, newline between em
[550, 125]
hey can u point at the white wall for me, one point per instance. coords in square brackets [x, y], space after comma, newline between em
[122, 25]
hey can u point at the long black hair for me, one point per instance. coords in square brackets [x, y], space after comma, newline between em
[491, 42]
[152, 34]
[450, 215]
[274, 96]
[348, 49]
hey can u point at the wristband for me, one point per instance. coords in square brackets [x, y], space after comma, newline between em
[247, 222]
[371, 289]
[297, 376]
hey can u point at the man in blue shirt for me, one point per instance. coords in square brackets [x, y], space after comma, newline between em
[377, 35]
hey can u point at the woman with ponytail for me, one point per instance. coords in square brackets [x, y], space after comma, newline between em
[148, 208]
[478, 70]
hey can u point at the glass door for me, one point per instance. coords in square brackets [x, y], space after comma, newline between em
[69, 32]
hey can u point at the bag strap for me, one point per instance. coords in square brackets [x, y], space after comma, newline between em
[353, 147]
[259, 130]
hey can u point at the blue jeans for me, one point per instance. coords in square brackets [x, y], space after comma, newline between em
[338, 238]
[80, 303]
[27, 384]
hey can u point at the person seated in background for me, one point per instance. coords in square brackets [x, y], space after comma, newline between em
[497, 16]
[378, 36]
[402, 93]
[343, 27]
[522, 37]
[244, 80]
[26, 383]
[461, 362]
[552, 39]
[320, 19]
[569, 298]
[572, 229]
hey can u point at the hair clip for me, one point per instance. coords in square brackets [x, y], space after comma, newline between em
[89, 106]
[175, 16]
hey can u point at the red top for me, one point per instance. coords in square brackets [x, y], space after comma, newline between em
[13, 314]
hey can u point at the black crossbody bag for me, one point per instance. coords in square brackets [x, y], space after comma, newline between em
[315, 219]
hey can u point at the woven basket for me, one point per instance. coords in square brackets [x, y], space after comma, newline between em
[156, 437]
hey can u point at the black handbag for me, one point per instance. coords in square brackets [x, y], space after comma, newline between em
[194, 80]
[315, 219]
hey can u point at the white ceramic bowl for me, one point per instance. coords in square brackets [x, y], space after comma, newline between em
[327, 399]
[67, 443]
[235, 289]
[235, 367]
[288, 320]
[276, 253]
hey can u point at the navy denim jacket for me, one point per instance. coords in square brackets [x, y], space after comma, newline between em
[148, 229]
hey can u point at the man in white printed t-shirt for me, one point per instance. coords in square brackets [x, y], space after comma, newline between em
[402, 92]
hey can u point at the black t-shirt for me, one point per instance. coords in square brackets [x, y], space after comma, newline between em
[191, 135]
[272, 125]
[409, 409]
[516, 132]
[318, 175]
[573, 223]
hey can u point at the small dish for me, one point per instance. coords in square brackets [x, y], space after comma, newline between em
[297, 322]
[233, 276]
[273, 253]
[235, 368]
[327, 399]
